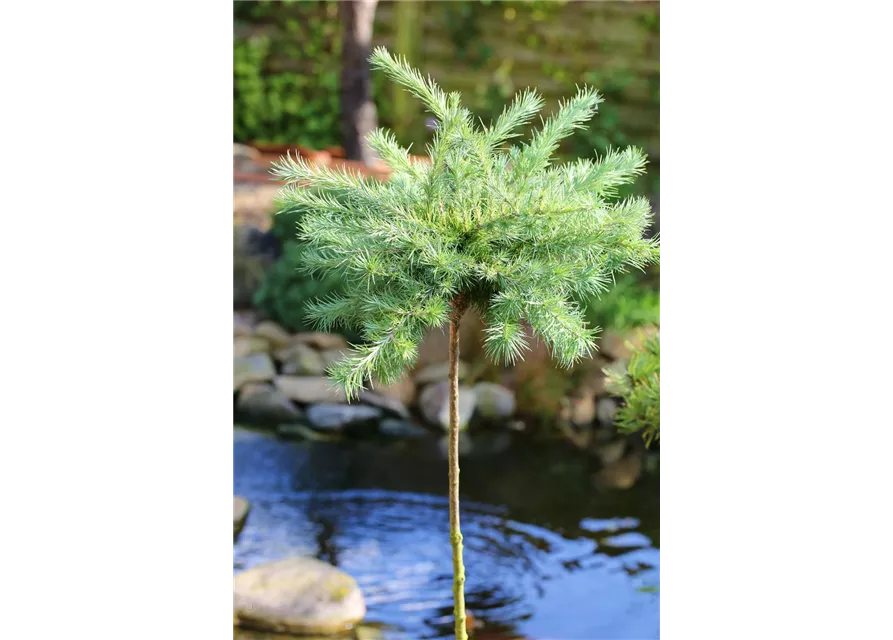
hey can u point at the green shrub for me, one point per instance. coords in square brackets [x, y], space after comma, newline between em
[286, 68]
[249, 268]
[285, 290]
[633, 302]
[639, 387]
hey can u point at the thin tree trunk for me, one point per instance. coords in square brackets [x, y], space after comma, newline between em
[455, 532]
[358, 116]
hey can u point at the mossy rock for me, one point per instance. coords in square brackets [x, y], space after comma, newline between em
[297, 595]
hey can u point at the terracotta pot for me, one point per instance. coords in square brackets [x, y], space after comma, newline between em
[319, 157]
[332, 157]
[275, 147]
[250, 176]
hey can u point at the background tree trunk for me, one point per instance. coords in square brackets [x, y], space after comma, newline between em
[408, 33]
[358, 116]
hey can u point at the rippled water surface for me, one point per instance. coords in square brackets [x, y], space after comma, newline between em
[547, 555]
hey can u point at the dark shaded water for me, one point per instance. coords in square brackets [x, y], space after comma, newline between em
[547, 555]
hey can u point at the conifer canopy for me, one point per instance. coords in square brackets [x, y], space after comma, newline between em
[486, 224]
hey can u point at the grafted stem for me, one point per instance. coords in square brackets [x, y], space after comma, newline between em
[459, 304]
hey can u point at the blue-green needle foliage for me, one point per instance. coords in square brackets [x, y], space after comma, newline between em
[484, 224]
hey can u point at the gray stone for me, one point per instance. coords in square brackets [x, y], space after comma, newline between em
[302, 360]
[242, 326]
[244, 151]
[241, 507]
[581, 410]
[438, 371]
[401, 429]
[298, 431]
[435, 406]
[263, 401]
[321, 340]
[246, 345]
[257, 367]
[613, 345]
[333, 356]
[309, 389]
[246, 159]
[297, 595]
[494, 401]
[273, 333]
[390, 405]
[605, 410]
[335, 417]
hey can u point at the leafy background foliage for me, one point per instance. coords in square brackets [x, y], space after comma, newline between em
[633, 301]
[286, 291]
[639, 387]
[286, 65]
[287, 62]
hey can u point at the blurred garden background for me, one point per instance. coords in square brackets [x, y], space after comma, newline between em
[560, 490]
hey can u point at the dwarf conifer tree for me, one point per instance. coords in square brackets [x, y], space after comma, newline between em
[486, 225]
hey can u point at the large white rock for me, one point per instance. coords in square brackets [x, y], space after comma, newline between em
[435, 406]
[494, 401]
[299, 596]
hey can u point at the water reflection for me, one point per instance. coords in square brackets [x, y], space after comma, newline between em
[555, 560]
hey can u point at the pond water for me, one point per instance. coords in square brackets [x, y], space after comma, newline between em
[548, 556]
